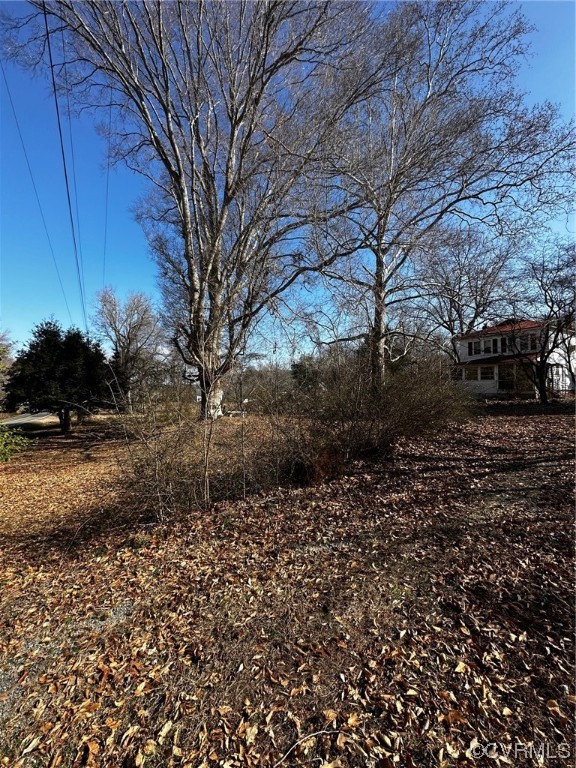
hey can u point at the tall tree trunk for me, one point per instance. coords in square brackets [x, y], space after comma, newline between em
[211, 394]
[377, 360]
[378, 335]
[541, 383]
[64, 419]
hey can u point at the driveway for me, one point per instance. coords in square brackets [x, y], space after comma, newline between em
[27, 418]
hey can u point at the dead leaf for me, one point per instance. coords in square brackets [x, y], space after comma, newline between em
[31, 747]
[341, 741]
[251, 733]
[353, 720]
[166, 728]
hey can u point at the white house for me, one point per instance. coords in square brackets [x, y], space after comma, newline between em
[495, 361]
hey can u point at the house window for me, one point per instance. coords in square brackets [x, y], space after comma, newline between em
[556, 379]
[495, 346]
[523, 343]
[474, 348]
[487, 373]
[487, 346]
[533, 345]
[504, 344]
[471, 373]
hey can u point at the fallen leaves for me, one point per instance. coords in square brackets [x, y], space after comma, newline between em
[389, 618]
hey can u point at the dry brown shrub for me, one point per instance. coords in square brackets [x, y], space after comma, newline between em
[304, 435]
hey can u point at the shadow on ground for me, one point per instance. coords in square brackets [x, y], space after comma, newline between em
[524, 407]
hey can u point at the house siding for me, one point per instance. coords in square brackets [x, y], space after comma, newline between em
[506, 348]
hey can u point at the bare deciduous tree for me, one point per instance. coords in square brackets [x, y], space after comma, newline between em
[546, 292]
[448, 138]
[464, 282]
[133, 330]
[227, 108]
[280, 137]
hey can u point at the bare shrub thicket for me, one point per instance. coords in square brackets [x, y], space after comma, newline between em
[333, 416]
[302, 425]
[176, 460]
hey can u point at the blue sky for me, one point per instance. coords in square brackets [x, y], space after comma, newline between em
[29, 287]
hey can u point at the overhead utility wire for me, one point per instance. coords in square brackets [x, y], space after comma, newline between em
[107, 192]
[77, 260]
[72, 155]
[35, 190]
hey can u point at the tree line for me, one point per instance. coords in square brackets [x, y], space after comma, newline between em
[389, 171]
[66, 371]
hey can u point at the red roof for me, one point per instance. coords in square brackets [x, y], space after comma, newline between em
[504, 327]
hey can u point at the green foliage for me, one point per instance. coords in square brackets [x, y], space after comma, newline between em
[11, 443]
[59, 371]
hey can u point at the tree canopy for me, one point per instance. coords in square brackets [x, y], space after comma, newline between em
[287, 139]
[133, 330]
[60, 371]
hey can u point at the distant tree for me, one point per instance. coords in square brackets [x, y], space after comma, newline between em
[60, 371]
[265, 387]
[5, 362]
[464, 283]
[134, 332]
[306, 373]
[546, 291]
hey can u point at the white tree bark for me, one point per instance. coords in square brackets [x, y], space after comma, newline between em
[228, 109]
[447, 142]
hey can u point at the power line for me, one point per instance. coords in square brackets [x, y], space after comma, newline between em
[107, 192]
[73, 230]
[73, 158]
[35, 190]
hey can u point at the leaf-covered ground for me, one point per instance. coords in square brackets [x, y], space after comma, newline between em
[417, 612]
